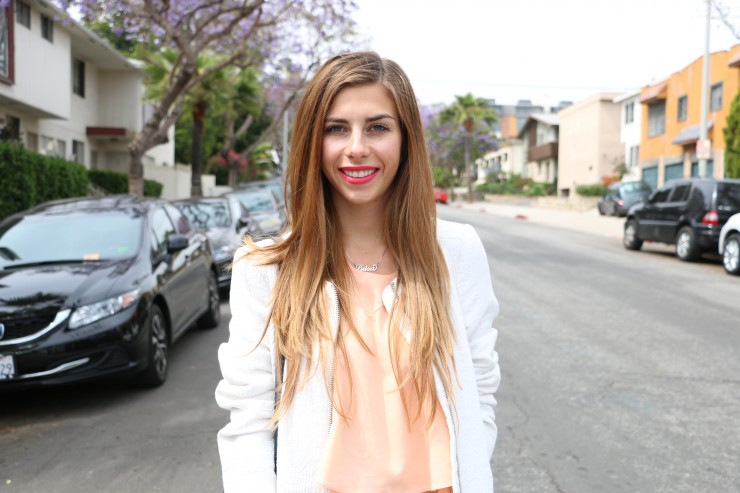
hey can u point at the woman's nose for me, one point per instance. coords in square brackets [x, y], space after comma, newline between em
[357, 146]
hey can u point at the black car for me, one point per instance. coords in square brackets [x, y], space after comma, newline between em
[619, 197]
[225, 221]
[686, 212]
[95, 287]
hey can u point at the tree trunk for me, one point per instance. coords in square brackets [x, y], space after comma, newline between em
[469, 169]
[196, 154]
[135, 174]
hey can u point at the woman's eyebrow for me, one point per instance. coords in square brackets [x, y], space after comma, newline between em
[382, 116]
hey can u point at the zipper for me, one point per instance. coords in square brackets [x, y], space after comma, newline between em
[454, 433]
[331, 366]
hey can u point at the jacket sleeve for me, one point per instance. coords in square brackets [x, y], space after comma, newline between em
[247, 389]
[480, 308]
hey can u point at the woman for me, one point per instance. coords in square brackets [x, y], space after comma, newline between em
[371, 318]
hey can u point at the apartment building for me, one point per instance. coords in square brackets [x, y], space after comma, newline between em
[671, 116]
[630, 132]
[539, 137]
[66, 92]
[589, 143]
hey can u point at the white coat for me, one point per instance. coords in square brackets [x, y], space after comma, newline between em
[247, 389]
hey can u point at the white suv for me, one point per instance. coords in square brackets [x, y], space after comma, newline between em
[729, 245]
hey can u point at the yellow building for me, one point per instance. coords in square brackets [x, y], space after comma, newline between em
[671, 115]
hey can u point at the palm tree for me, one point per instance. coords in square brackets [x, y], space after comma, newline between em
[469, 112]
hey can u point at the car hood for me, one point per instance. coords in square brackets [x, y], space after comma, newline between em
[50, 287]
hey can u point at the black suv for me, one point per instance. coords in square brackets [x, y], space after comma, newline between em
[686, 212]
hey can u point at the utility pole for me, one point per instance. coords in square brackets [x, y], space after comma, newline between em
[701, 146]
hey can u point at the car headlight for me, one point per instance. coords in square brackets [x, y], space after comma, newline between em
[93, 312]
[223, 251]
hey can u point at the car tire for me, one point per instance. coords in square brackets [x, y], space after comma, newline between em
[731, 255]
[631, 241]
[212, 317]
[687, 248]
[601, 210]
[155, 372]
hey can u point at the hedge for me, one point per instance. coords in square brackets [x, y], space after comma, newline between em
[115, 182]
[29, 178]
[595, 190]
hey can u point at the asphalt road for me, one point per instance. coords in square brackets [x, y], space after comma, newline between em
[620, 370]
[620, 374]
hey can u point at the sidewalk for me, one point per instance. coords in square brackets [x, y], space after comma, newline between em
[587, 222]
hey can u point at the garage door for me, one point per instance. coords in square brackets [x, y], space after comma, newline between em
[650, 176]
[710, 168]
[673, 171]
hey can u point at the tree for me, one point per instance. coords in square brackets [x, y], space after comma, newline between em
[732, 140]
[469, 112]
[244, 33]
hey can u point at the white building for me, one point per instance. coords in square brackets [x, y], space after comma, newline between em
[504, 162]
[631, 132]
[66, 92]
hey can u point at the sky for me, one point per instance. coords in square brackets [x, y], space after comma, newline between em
[545, 51]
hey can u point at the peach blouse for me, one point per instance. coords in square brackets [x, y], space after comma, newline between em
[376, 449]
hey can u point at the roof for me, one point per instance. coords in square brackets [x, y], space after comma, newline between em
[85, 43]
[547, 118]
[734, 61]
[654, 93]
[690, 134]
[624, 97]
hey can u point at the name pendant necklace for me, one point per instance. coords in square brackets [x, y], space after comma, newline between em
[366, 268]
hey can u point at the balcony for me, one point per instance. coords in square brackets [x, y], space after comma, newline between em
[544, 151]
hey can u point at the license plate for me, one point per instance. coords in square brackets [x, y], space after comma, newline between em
[7, 367]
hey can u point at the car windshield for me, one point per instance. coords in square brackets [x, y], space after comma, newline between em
[76, 237]
[256, 201]
[206, 214]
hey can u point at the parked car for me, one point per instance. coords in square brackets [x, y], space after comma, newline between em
[95, 287]
[273, 184]
[440, 195]
[729, 245]
[686, 212]
[620, 196]
[263, 207]
[225, 221]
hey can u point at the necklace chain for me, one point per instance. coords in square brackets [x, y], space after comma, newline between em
[367, 268]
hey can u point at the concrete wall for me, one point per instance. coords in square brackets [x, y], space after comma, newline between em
[176, 180]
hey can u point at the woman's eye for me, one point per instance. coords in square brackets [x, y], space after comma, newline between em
[378, 127]
[333, 129]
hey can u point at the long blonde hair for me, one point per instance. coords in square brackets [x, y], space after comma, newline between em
[313, 253]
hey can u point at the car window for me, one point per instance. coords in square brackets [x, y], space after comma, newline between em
[680, 193]
[257, 201]
[207, 214]
[635, 187]
[660, 195]
[728, 196]
[182, 223]
[162, 228]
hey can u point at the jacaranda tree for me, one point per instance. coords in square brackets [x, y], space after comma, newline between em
[276, 37]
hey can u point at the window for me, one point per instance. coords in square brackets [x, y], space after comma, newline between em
[182, 222]
[656, 119]
[23, 14]
[61, 148]
[715, 97]
[162, 229]
[78, 77]
[47, 28]
[634, 156]
[660, 196]
[12, 130]
[680, 193]
[32, 141]
[78, 151]
[629, 112]
[683, 108]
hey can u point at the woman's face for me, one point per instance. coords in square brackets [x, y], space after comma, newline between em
[361, 145]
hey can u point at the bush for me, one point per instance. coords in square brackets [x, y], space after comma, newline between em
[30, 178]
[595, 190]
[115, 182]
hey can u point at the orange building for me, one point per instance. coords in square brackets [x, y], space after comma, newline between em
[671, 116]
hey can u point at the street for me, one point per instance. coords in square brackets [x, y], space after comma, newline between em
[619, 374]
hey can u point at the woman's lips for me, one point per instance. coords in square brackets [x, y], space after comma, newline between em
[358, 175]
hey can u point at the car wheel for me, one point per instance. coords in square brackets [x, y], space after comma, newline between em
[631, 241]
[686, 247]
[731, 255]
[211, 318]
[155, 373]
[601, 209]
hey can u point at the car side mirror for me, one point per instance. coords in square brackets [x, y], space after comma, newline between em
[175, 243]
